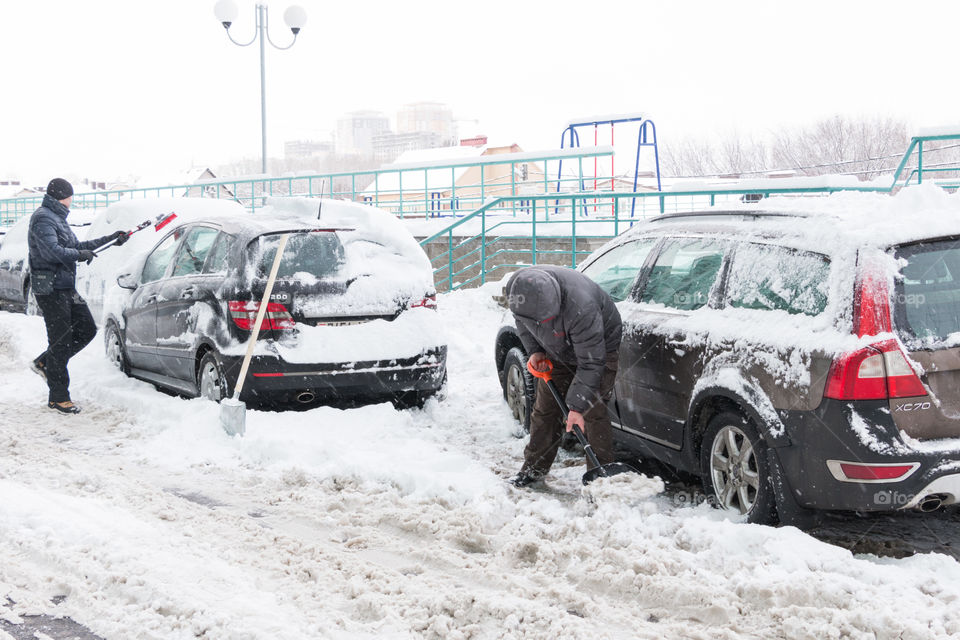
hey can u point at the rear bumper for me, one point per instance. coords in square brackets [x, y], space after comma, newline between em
[861, 433]
[272, 380]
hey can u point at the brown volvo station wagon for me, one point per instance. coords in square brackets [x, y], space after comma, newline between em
[796, 362]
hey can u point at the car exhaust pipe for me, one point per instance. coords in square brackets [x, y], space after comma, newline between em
[930, 503]
[305, 397]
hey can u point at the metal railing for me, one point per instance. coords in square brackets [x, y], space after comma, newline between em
[562, 228]
[912, 165]
[440, 189]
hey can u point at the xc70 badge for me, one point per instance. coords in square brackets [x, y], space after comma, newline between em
[913, 406]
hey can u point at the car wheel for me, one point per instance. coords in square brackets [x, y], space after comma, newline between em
[31, 308]
[518, 387]
[210, 378]
[113, 342]
[734, 468]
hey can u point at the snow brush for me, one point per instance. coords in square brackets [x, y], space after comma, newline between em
[596, 469]
[158, 223]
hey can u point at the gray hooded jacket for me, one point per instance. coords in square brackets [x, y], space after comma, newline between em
[564, 314]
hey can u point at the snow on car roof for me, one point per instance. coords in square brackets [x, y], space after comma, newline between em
[836, 222]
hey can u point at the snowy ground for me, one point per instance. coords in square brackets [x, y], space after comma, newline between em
[140, 518]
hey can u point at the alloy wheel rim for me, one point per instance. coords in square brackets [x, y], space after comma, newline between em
[515, 399]
[210, 382]
[734, 470]
[114, 354]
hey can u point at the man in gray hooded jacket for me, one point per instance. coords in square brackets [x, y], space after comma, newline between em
[565, 317]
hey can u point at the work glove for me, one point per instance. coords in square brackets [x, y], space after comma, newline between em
[86, 256]
[120, 237]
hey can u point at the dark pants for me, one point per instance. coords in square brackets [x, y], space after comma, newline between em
[547, 424]
[70, 328]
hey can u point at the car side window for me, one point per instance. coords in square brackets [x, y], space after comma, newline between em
[193, 251]
[616, 270]
[777, 278]
[158, 260]
[684, 273]
[217, 259]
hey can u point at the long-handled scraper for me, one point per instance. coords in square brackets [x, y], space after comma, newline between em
[233, 413]
[596, 469]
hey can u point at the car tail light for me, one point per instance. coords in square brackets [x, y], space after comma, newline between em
[871, 301]
[871, 472]
[244, 315]
[876, 372]
[430, 302]
[881, 370]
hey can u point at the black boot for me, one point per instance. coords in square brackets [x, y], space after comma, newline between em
[64, 407]
[525, 478]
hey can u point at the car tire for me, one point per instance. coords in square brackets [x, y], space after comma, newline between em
[735, 470]
[211, 380]
[519, 390]
[115, 349]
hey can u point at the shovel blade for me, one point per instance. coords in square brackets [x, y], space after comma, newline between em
[233, 416]
[607, 470]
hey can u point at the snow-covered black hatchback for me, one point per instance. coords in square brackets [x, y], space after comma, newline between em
[352, 315]
[799, 359]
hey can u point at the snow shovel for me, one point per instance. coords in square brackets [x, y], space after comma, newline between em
[158, 223]
[233, 413]
[596, 469]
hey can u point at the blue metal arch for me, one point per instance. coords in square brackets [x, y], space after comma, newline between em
[643, 140]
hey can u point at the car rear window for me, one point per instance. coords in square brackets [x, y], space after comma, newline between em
[307, 256]
[927, 293]
[777, 278]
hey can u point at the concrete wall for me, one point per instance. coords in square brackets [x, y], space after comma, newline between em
[501, 252]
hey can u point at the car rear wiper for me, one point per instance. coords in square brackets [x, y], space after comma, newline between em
[355, 278]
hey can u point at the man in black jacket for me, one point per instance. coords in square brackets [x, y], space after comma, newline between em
[564, 316]
[54, 252]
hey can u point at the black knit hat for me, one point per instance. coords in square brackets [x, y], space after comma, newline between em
[59, 189]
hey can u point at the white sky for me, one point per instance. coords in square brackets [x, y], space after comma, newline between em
[102, 88]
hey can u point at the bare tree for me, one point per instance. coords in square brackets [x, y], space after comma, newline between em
[862, 147]
[865, 148]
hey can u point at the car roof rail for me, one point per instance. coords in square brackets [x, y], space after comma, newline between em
[727, 215]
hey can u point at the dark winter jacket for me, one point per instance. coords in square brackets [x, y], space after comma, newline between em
[53, 246]
[564, 314]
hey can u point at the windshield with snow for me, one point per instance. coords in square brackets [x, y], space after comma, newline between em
[308, 256]
[927, 300]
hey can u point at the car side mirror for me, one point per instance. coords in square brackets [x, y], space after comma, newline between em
[127, 281]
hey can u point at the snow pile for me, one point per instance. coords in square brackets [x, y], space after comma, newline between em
[140, 518]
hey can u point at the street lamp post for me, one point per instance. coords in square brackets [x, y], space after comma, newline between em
[294, 16]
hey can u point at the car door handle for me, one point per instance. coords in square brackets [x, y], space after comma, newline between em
[151, 299]
[187, 293]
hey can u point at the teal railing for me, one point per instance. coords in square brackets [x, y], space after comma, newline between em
[563, 228]
[912, 166]
[440, 189]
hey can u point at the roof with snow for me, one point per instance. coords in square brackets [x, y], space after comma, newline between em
[430, 179]
[837, 222]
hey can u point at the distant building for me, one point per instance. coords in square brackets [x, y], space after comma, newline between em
[301, 149]
[356, 130]
[432, 117]
[387, 147]
[13, 189]
[190, 183]
[434, 190]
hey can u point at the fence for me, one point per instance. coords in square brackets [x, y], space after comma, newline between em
[441, 189]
